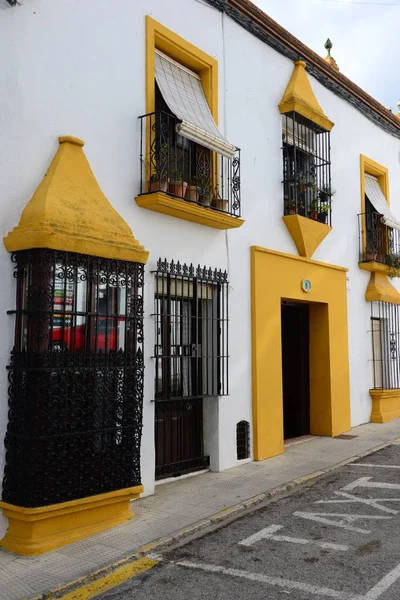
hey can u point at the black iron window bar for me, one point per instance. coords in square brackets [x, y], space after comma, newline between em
[307, 189]
[76, 378]
[378, 242]
[172, 164]
[243, 440]
[191, 321]
[191, 360]
[385, 333]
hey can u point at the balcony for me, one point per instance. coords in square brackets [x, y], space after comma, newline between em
[378, 243]
[184, 179]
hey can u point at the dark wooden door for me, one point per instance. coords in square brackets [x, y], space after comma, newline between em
[295, 369]
[179, 406]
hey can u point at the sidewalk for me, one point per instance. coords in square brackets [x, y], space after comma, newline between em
[179, 505]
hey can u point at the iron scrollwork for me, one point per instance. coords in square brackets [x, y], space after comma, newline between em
[75, 378]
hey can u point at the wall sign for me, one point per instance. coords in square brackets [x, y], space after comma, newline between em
[306, 285]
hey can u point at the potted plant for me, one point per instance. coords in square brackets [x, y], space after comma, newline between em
[325, 193]
[313, 212]
[176, 185]
[292, 207]
[193, 191]
[205, 194]
[323, 212]
[217, 201]
[158, 183]
[392, 260]
[371, 252]
[302, 180]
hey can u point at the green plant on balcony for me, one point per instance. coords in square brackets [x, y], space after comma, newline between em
[313, 212]
[326, 193]
[323, 212]
[392, 260]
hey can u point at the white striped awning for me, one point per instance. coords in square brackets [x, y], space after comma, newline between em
[376, 197]
[184, 95]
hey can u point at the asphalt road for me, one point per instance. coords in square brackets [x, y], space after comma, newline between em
[336, 539]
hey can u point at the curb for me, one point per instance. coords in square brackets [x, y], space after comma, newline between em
[93, 584]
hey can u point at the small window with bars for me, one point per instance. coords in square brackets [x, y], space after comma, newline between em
[243, 440]
[191, 337]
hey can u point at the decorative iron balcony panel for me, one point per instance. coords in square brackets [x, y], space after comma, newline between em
[378, 242]
[174, 165]
[76, 378]
[307, 187]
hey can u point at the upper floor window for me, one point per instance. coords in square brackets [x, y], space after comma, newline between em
[306, 168]
[183, 152]
[380, 241]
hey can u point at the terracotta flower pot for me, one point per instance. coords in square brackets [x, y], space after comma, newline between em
[220, 204]
[192, 193]
[292, 211]
[371, 255]
[158, 186]
[313, 214]
[178, 188]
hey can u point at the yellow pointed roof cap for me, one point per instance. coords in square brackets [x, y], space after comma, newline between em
[69, 212]
[300, 98]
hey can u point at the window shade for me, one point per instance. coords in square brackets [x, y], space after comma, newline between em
[376, 197]
[184, 95]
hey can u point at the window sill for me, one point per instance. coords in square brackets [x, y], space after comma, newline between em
[374, 266]
[182, 209]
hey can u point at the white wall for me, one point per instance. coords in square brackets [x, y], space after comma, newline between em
[73, 67]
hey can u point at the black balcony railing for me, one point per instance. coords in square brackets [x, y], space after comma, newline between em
[306, 169]
[378, 242]
[173, 164]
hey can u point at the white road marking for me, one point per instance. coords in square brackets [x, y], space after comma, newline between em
[328, 519]
[375, 502]
[383, 584]
[372, 465]
[268, 534]
[276, 581]
[365, 482]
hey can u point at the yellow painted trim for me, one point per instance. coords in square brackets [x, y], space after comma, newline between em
[181, 209]
[329, 362]
[299, 97]
[33, 531]
[69, 212]
[111, 580]
[160, 37]
[307, 234]
[380, 289]
[385, 405]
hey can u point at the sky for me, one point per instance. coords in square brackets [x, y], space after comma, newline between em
[365, 38]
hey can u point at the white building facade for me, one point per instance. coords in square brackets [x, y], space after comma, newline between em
[215, 390]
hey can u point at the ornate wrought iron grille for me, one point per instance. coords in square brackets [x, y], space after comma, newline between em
[385, 333]
[307, 187]
[378, 242]
[76, 378]
[191, 360]
[243, 440]
[177, 166]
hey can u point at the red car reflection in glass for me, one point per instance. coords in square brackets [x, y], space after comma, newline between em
[75, 338]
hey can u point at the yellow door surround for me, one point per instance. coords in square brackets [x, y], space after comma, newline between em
[276, 276]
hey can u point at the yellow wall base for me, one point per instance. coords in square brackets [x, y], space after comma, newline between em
[385, 405]
[307, 234]
[33, 531]
[181, 209]
[276, 276]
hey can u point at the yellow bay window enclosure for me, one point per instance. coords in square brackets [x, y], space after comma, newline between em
[307, 185]
[76, 368]
[188, 169]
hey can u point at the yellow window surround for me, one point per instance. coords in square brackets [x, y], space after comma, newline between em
[160, 37]
[379, 287]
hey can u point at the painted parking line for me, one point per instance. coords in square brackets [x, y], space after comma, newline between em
[287, 584]
[268, 534]
[375, 502]
[374, 466]
[341, 520]
[383, 584]
[365, 482]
